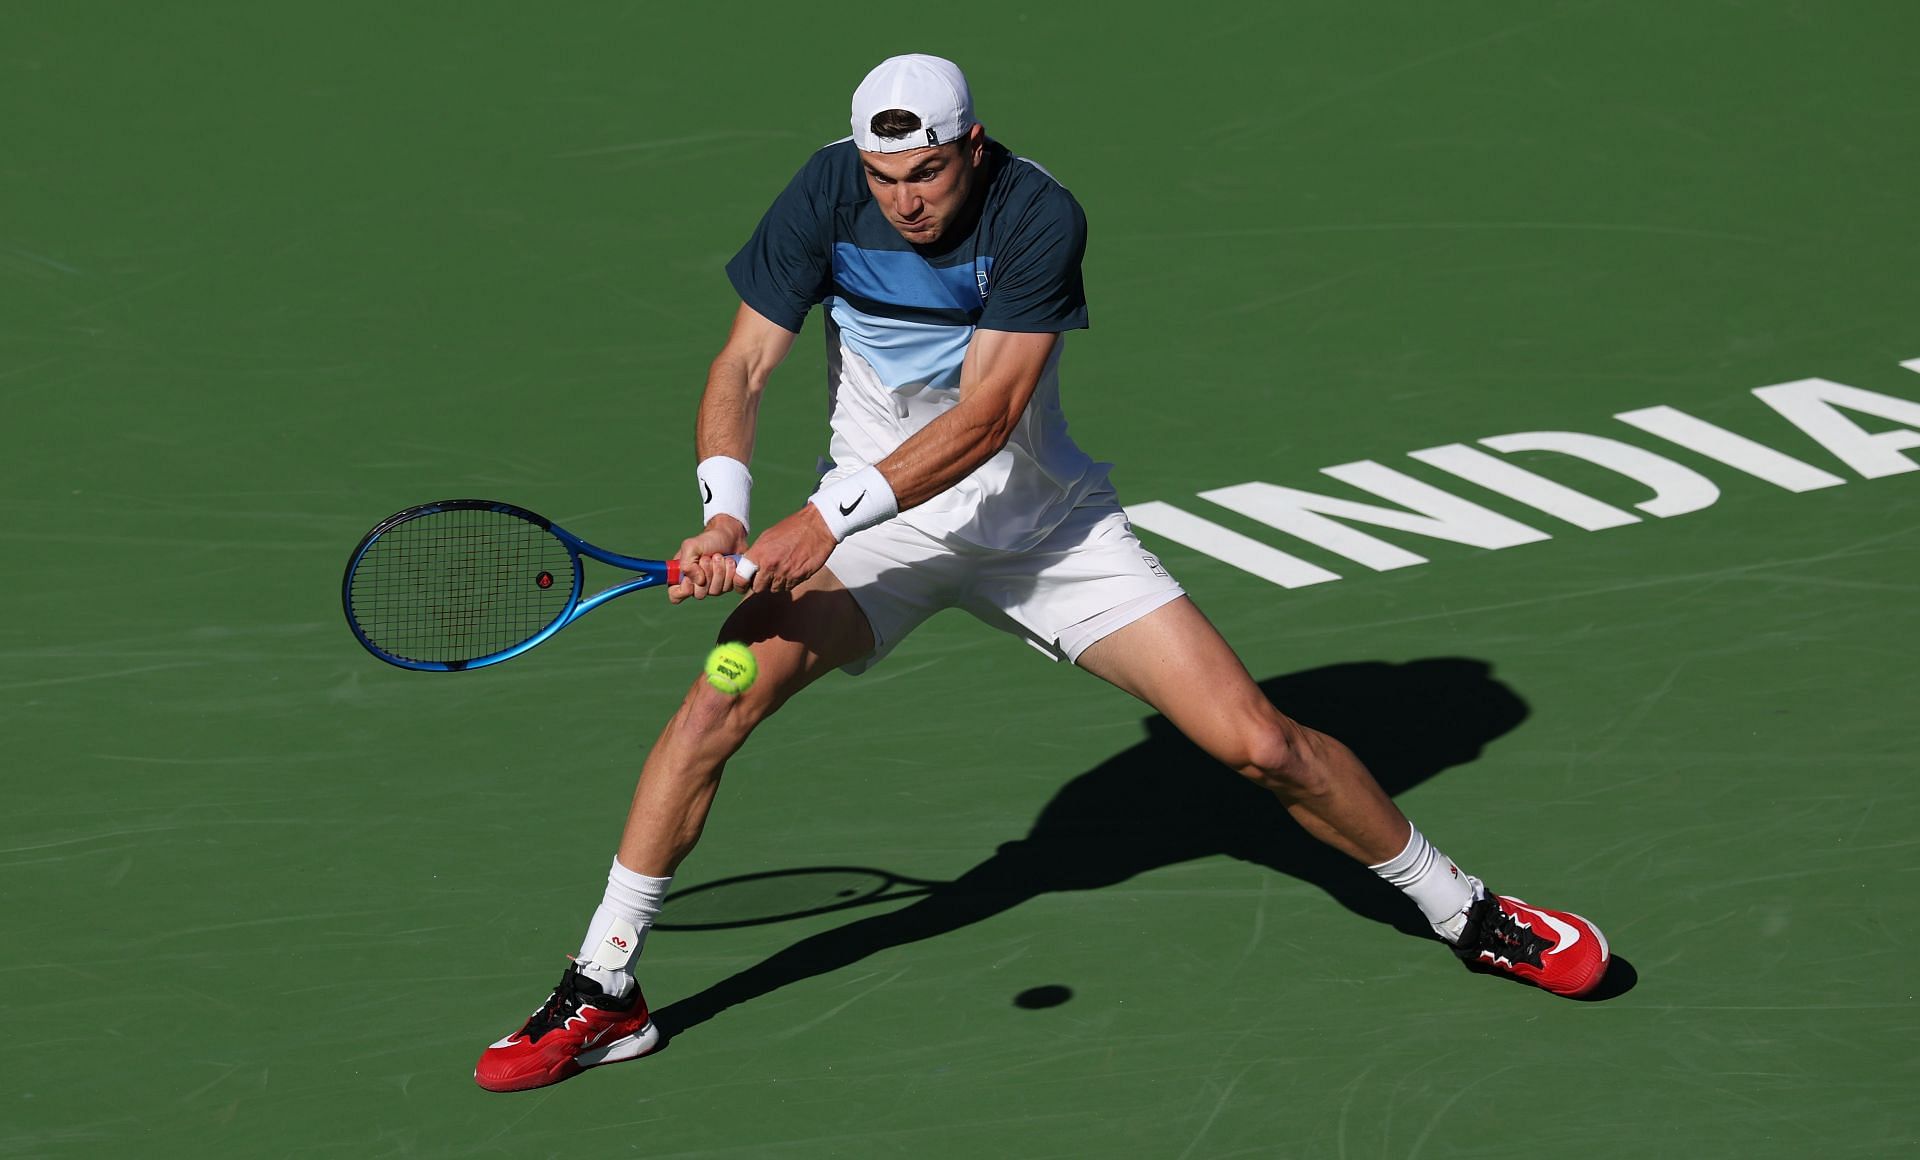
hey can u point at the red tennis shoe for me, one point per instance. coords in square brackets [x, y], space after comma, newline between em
[1551, 949]
[578, 1027]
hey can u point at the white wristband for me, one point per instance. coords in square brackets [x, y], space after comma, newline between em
[861, 500]
[725, 488]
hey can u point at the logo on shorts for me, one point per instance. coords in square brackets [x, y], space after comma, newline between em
[1154, 567]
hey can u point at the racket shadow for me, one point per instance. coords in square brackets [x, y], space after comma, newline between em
[1163, 802]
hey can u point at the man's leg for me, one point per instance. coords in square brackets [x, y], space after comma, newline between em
[796, 637]
[597, 1014]
[1174, 660]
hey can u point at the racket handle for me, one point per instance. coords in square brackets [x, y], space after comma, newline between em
[745, 567]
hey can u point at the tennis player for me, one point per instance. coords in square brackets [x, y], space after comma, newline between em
[949, 270]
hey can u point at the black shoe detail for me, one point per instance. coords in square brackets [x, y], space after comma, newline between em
[575, 991]
[1491, 930]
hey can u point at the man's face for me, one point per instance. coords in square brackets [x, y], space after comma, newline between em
[924, 191]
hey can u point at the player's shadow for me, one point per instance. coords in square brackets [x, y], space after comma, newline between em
[1164, 802]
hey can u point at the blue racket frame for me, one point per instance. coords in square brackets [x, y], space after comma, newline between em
[648, 574]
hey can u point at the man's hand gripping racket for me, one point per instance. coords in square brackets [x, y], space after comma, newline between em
[712, 562]
[784, 557]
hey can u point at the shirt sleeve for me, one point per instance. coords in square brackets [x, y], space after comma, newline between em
[1035, 284]
[786, 266]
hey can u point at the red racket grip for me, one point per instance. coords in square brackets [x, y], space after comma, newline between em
[673, 569]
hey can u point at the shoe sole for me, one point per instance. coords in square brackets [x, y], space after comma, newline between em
[642, 1042]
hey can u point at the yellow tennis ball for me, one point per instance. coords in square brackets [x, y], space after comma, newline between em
[731, 668]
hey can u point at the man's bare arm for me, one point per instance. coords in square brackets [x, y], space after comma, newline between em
[997, 380]
[729, 410]
[734, 382]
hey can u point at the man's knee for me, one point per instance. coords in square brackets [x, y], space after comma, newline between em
[713, 718]
[1283, 756]
[794, 636]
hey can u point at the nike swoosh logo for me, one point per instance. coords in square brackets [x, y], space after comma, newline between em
[509, 1041]
[706, 492]
[1568, 933]
[847, 509]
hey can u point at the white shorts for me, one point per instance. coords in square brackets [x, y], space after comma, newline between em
[1089, 577]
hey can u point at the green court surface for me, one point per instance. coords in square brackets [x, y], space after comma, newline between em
[269, 272]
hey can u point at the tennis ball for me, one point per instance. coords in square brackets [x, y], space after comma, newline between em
[731, 668]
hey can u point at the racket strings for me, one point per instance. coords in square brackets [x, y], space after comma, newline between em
[460, 584]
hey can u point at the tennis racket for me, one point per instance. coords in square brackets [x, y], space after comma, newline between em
[464, 583]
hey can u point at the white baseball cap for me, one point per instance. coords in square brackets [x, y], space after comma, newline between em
[930, 88]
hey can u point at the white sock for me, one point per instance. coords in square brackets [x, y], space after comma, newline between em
[619, 928]
[1441, 890]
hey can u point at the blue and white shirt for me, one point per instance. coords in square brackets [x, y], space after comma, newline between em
[899, 319]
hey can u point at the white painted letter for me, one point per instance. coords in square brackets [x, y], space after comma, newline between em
[1227, 545]
[1535, 491]
[1435, 514]
[1810, 404]
[1676, 489]
[1733, 450]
